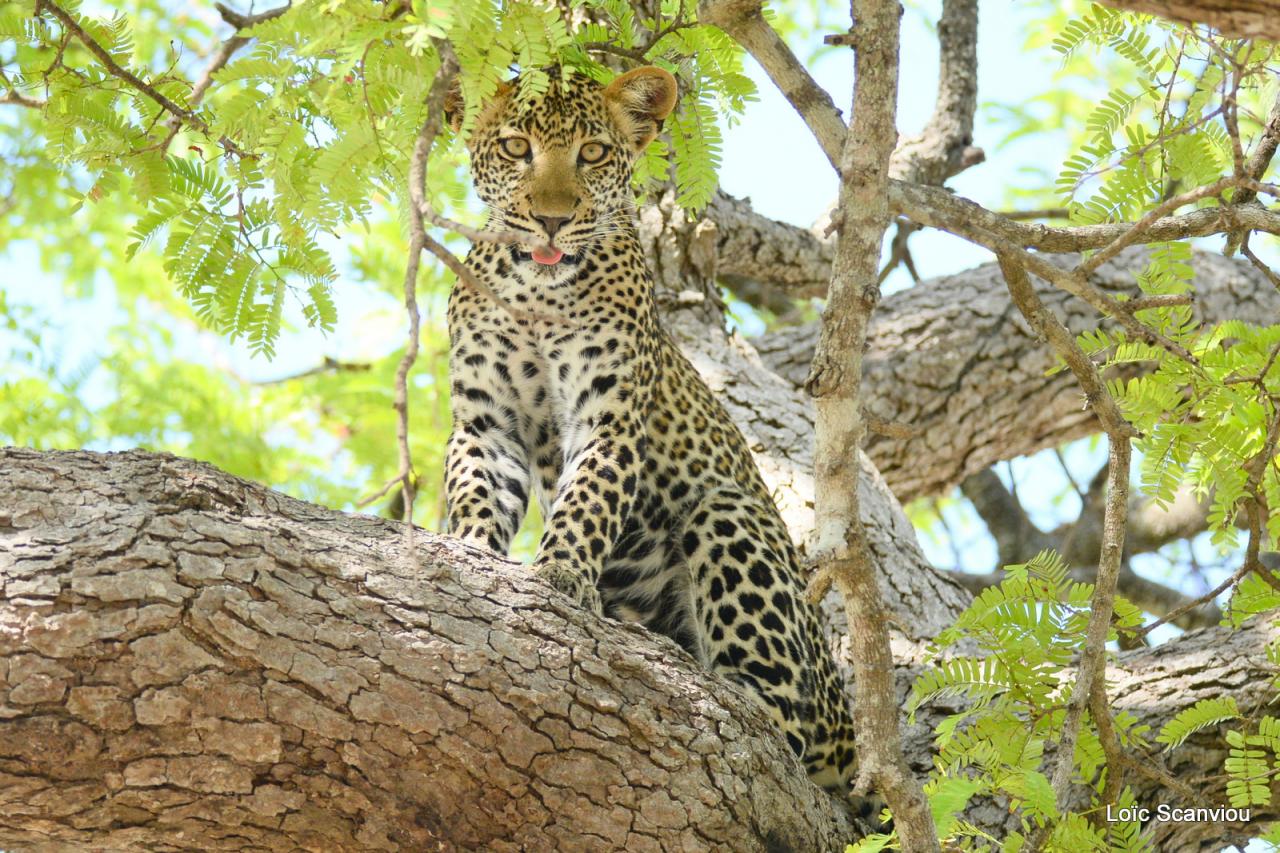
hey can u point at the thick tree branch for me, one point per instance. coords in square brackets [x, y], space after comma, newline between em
[751, 248]
[189, 652]
[191, 655]
[951, 358]
[1239, 18]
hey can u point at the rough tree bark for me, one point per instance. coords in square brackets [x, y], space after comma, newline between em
[191, 661]
[194, 661]
[1240, 18]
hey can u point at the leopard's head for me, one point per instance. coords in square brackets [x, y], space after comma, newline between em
[558, 166]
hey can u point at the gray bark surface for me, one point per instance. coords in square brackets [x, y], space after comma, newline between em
[192, 661]
[953, 359]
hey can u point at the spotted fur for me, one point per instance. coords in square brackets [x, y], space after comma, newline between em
[654, 509]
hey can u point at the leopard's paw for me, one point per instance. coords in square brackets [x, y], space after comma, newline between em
[573, 582]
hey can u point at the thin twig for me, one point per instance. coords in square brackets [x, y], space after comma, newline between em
[1119, 432]
[228, 48]
[1138, 228]
[892, 429]
[469, 279]
[1167, 300]
[1259, 265]
[900, 252]
[1100, 711]
[328, 365]
[476, 235]
[1150, 767]
[418, 240]
[1194, 603]
[114, 68]
[1046, 213]
[13, 96]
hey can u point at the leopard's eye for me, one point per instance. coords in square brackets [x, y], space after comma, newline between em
[515, 147]
[592, 152]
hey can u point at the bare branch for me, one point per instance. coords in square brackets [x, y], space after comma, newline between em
[328, 365]
[13, 96]
[752, 247]
[475, 235]
[1139, 229]
[900, 252]
[229, 47]
[1259, 265]
[744, 21]
[835, 383]
[949, 212]
[945, 146]
[1254, 169]
[21, 100]
[418, 240]
[942, 210]
[1046, 213]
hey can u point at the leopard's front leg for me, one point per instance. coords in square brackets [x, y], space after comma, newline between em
[603, 404]
[493, 375]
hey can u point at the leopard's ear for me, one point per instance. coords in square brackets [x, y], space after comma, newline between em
[455, 108]
[639, 101]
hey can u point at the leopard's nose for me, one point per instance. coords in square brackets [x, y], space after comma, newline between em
[552, 224]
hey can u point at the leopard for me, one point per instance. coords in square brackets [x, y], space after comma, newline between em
[565, 386]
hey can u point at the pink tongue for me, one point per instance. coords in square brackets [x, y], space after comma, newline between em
[545, 256]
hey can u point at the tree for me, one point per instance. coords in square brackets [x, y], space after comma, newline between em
[190, 652]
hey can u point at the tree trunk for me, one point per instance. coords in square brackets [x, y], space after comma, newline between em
[192, 661]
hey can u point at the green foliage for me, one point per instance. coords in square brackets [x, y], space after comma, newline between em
[1024, 634]
[314, 122]
[1202, 423]
[1205, 713]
